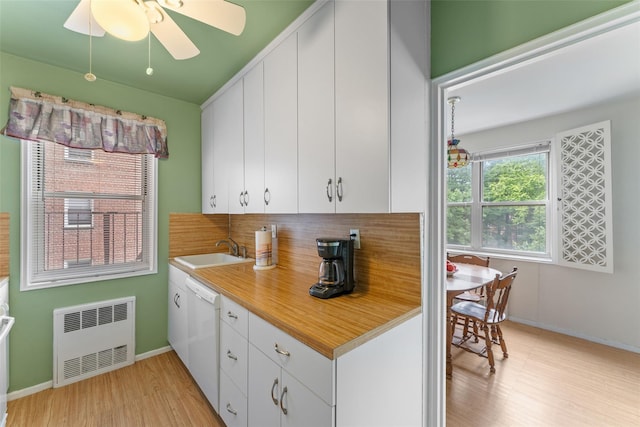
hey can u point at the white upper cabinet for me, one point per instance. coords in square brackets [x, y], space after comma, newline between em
[254, 140]
[316, 113]
[232, 137]
[335, 116]
[362, 106]
[409, 61]
[281, 128]
[209, 199]
[227, 149]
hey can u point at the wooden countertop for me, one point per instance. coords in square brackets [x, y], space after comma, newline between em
[281, 296]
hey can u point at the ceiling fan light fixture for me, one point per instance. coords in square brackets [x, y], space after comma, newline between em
[123, 19]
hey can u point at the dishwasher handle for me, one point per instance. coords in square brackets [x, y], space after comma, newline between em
[202, 291]
[6, 323]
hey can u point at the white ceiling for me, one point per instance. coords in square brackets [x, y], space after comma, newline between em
[592, 71]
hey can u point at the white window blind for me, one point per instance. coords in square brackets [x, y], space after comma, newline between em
[89, 220]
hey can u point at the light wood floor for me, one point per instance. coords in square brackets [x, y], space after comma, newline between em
[153, 392]
[548, 380]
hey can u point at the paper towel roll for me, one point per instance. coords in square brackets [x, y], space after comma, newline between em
[263, 248]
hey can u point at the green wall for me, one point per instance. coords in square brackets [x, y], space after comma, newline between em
[467, 31]
[463, 32]
[179, 191]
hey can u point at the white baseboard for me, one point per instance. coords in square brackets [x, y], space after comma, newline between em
[576, 335]
[49, 384]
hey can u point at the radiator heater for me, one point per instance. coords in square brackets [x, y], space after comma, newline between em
[91, 339]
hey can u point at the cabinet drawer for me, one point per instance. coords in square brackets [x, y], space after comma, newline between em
[307, 365]
[233, 403]
[235, 315]
[233, 356]
[177, 276]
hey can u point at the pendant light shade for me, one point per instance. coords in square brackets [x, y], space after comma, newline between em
[124, 19]
[457, 157]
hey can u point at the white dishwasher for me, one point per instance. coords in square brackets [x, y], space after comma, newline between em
[204, 337]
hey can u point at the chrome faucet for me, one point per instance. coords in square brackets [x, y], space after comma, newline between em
[233, 246]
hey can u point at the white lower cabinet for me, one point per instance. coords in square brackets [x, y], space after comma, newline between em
[178, 327]
[270, 379]
[289, 383]
[233, 403]
[276, 398]
[233, 363]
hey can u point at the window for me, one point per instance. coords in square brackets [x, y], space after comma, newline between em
[501, 203]
[78, 154]
[86, 220]
[77, 213]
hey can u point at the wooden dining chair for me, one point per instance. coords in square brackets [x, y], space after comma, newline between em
[476, 295]
[487, 318]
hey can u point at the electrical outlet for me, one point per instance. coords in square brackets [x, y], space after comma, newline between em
[355, 235]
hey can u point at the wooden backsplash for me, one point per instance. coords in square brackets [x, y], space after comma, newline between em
[4, 244]
[389, 254]
[191, 234]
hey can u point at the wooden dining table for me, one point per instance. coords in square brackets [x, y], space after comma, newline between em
[466, 278]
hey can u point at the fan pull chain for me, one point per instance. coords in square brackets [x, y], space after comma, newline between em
[90, 77]
[149, 69]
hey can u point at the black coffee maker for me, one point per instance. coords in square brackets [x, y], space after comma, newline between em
[335, 275]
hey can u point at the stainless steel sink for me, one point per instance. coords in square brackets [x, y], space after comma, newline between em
[210, 260]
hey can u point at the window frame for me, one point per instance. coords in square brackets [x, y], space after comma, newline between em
[476, 204]
[82, 273]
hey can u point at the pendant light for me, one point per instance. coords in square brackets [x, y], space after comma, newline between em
[456, 156]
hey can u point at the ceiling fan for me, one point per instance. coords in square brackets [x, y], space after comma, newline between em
[133, 19]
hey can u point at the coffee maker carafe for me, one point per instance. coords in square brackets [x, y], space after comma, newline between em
[335, 275]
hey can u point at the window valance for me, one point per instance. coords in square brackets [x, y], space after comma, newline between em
[38, 116]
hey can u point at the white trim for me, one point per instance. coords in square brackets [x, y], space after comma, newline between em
[570, 333]
[433, 291]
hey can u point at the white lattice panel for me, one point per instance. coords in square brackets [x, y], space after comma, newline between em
[585, 197]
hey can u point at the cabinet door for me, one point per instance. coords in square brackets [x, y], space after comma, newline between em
[316, 88]
[233, 141]
[209, 199]
[233, 403]
[233, 356]
[177, 327]
[264, 390]
[254, 139]
[362, 105]
[281, 129]
[227, 149]
[304, 409]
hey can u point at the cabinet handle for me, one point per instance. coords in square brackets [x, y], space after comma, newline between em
[213, 201]
[284, 410]
[176, 300]
[240, 199]
[231, 410]
[231, 355]
[246, 198]
[232, 315]
[273, 388]
[339, 189]
[329, 190]
[267, 196]
[280, 351]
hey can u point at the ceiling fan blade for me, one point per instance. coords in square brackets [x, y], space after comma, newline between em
[221, 14]
[78, 21]
[174, 39]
